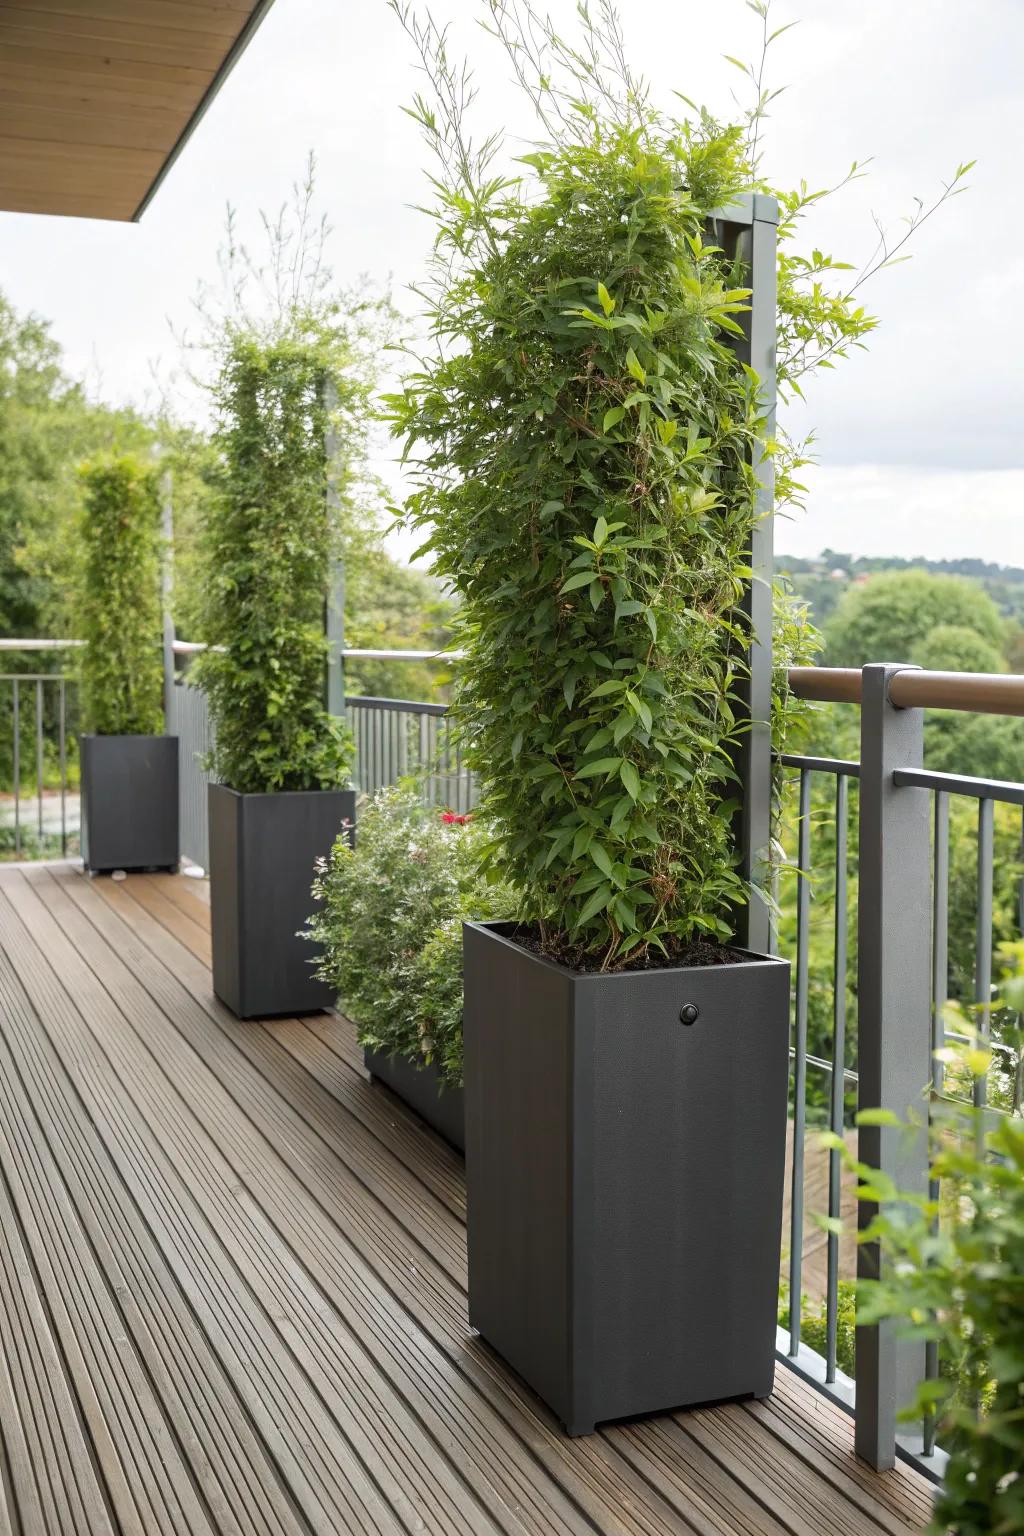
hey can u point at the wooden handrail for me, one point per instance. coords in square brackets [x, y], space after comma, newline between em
[826, 685]
[978, 693]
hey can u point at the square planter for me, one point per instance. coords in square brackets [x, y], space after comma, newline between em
[129, 802]
[263, 849]
[624, 1171]
[421, 1087]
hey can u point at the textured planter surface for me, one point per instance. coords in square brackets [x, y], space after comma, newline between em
[420, 1087]
[129, 802]
[624, 1174]
[263, 849]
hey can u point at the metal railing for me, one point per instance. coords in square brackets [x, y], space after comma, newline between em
[901, 877]
[188, 718]
[396, 738]
[39, 804]
[393, 739]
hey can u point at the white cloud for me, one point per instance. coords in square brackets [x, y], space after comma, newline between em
[907, 511]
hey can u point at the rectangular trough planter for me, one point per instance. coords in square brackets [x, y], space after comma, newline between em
[263, 849]
[421, 1087]
[129, 802]
[625, 1176]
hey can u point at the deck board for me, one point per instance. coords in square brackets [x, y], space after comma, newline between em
[232, 1286]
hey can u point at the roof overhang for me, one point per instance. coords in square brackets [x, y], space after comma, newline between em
[99, 97]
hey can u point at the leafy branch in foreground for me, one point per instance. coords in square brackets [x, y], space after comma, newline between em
[954, 1276]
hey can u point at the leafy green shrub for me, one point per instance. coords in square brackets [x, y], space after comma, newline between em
[268, 540]
[583, 440]
[955, 1275]
[389, 921]
[585, 456]
[118, 599]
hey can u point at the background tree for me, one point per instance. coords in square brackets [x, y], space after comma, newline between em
[890, 617]
[47, 426]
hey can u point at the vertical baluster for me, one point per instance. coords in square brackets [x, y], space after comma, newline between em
[422, 765]
[39, 762]
[63, 753]
[403, 744]
[17, 768]
[796, 1214]
[837, 1114]
[940, 987]
[1018, 1077]
[983, 936]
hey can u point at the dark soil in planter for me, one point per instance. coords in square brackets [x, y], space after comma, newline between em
[697, 952]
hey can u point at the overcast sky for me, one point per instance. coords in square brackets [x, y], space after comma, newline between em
[919, 438]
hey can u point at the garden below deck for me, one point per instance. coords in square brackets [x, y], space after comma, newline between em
[233, 1290]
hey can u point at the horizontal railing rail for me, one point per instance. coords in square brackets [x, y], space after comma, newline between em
[982, 693]
[40, 645]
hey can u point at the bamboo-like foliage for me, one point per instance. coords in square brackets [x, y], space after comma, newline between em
[118, 599]
[582, 435]
[583, 450]
[268, 541]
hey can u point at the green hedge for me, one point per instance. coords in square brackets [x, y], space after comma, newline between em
[268, 541]
[118, 599]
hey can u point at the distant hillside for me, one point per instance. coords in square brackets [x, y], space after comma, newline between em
[822, 581]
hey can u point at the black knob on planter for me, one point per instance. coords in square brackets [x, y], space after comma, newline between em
[689, 1013]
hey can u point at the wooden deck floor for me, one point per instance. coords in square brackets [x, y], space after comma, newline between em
[232, 1285]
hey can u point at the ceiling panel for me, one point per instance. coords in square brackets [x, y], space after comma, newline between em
[97, 97]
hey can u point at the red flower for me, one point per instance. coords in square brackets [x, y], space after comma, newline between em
[450, 819]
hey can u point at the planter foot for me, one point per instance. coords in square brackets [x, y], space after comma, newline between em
[578, 1428]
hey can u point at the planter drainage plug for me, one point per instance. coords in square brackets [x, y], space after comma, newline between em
[689, 1013]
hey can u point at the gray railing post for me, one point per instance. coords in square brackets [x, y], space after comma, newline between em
[894, 1020]
[748, 232]
[167, 592]
[334, 614]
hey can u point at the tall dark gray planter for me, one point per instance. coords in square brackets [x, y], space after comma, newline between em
[421, 1087]
[263, 849]
[625, 1173]
[129, 802]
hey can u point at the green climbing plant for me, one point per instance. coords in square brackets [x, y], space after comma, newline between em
[291, 383]
[582, 440]
[117, 602]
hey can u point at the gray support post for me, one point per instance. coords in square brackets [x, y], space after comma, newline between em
[894, 1023]
[334, 613]
[167, 591]
[748, 231]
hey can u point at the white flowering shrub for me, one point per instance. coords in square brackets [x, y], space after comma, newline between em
[389, 916]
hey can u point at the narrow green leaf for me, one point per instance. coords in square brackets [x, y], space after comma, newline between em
[630, 779]
[634, 367]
